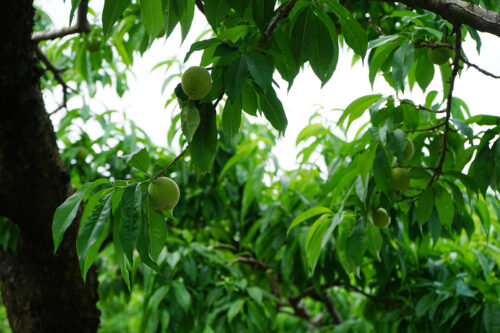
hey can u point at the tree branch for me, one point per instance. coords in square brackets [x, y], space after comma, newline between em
[252, 261]
[200, 5]
[427, 129]
[283, 13]
[456, 66]
[465, 61]
[82, 25]
[56, 71]
[421, 107]
[173, 162]
[460, 12]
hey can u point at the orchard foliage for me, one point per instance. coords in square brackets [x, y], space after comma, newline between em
[253, 247]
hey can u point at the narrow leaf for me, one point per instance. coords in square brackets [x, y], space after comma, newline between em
[131, 218]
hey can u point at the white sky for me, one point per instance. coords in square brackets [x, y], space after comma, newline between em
[145, 105]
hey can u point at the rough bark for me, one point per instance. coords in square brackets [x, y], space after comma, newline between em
[460, 12]
[42, 292]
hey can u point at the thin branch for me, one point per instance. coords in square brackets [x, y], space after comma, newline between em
[418, 167]
[434, 45]
[219, 99]
[56, 72]
[330, 306]
[282, 13]
[173, 162]
[375, 27]
[421, 107]
[460, 12]
[252, 261]
[427, 129]
[200, 5]
[81, 25]
[449, 99]
[465, 61]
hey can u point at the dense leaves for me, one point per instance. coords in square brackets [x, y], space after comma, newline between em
[251, 246]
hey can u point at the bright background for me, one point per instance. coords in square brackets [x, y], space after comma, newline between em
[144, 103]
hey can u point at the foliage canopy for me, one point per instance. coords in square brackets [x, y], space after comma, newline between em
[253, 247]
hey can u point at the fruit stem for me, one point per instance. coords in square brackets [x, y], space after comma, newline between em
[173, 162]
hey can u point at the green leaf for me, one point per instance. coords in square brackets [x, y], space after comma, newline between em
[74, 6]
[465, 179]
[252, 189]
[201, 45]
[262, 12]
[424, 304]
[357, 108]
[235, 76]
[382, 54]
[381, 41]
[131, 218]
[138, 159]
[311, 212]
[204, 143]
[375, 241]
[190, 120]
[396, 142]
[402, 62]
[354, 34]
[90, 235]
[482, 169]
[256, 293]
[187, 18]
[357, 243]
[382, 170]
[172, 13]
[249, 100]
[66, 212]
[260, 69]
[144, 246]
[152, 17]
[181, 295]
[464, 128]
[312, 42]
[157, 231]
[231, 118]
[424, 72]
[444, 206]
[425, 205]
[318, 236]
[491, 317]
[234, 309]
[273, 109]
[216, 11]
[111, 13]
[119, 254]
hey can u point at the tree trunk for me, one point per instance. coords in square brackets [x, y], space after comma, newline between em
[42, 292]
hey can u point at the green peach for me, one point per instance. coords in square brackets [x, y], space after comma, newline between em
[163, 193]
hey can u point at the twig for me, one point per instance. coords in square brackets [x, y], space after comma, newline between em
[418, 167]
[173, 162]
[375, 27]
[251, 261]
[283, 13]
[81, 25]
[434, 45]
[56, 72]
[465, 61]
[449, 99]
[200, 6]
[427, 129]
[421, 107]
[218, 99]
